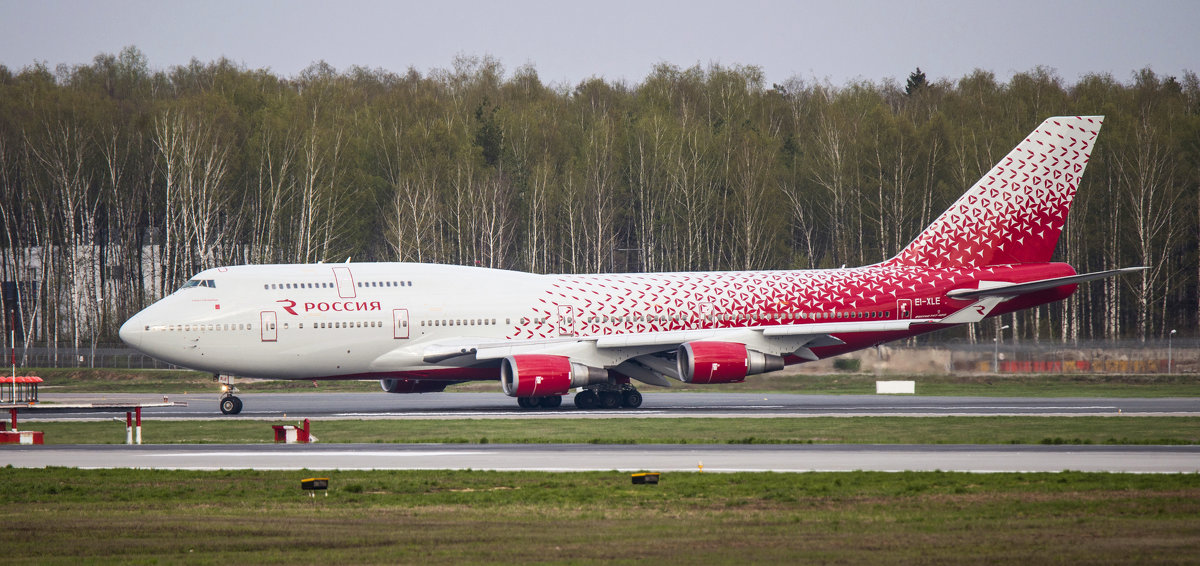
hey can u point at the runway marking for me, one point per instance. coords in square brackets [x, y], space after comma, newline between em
[424, 454]
[973, 408]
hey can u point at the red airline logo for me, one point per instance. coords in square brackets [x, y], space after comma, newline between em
[334, 306]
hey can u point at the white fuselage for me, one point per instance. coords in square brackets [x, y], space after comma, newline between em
[322, 320]
[427, 321]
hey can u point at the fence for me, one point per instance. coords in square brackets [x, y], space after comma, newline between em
[1153, 356]
[107, 356]
[1181, 355]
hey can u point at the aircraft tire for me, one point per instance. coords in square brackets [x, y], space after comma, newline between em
[231, 405]
[586, 399]
[610, 400]
[632, 399]
[527, 402]
[551, 402]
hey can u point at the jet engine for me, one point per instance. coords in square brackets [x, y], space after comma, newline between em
[722, 362]
[413, 385]
[538, 375]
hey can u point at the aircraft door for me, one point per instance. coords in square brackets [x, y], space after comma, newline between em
[267, 326]
[345, 282]
[399, 323]
[903, 309]
[566, 320]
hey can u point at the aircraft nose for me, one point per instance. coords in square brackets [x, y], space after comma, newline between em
[131, 332]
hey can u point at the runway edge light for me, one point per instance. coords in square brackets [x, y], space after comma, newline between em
[645, 478]
[311, 485]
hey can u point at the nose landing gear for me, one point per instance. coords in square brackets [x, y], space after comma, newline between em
[230, 404]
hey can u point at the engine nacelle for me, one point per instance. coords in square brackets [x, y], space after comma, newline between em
[722, 362]
[538, 375]
[413, 385]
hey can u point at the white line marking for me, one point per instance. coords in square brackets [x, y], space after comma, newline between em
[318, 454]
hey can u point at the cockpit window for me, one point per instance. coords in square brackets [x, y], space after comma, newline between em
[199, 283]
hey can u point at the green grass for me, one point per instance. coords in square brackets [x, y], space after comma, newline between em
[64, 516]
[819, 430]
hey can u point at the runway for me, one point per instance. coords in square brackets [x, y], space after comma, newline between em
[320, 405]
[660, 458]
[663, 458]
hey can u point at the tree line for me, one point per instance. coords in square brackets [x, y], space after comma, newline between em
[118, 181]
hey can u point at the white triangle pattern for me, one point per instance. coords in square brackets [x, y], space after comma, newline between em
[1014, 214]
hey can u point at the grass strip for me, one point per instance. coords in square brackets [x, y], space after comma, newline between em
[814, 430]
[63, 516]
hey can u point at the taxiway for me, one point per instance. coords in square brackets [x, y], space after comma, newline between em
[329, 405]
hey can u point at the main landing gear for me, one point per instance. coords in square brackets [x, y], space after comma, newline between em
[605, 396]
[624, 397]
[230, 404]
[551, 402]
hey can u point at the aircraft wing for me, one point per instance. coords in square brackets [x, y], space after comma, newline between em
[644, 355]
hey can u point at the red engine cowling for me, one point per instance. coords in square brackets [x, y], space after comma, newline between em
[414, 385]
[722, 362]
[537, 375]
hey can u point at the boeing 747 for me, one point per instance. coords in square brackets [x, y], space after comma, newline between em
[421, 327]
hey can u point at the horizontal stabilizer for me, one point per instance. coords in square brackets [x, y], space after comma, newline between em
[974, 312]
[1014, 289]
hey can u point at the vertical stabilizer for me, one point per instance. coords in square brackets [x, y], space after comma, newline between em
[1015, 213]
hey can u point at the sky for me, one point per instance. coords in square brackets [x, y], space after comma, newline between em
[622, 40]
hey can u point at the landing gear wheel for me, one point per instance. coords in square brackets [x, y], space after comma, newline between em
[632, 399]
[527, 402]
[231, 405]
[551, 402]
[610, 400]
[586, 399]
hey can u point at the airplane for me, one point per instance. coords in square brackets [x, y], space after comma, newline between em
[422, 327]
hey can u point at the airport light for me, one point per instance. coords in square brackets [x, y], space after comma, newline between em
[1170, 336]
[996, 349]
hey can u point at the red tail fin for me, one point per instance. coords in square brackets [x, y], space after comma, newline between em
[1014, 214]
